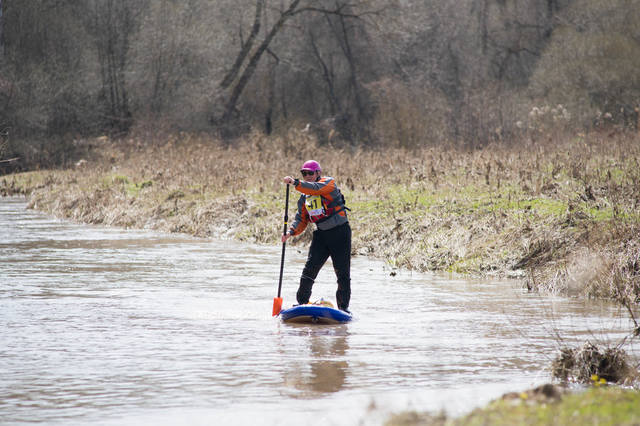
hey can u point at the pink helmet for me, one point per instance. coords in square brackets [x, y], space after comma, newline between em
[311, 165]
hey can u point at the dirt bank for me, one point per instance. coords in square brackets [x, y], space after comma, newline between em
[562, 215]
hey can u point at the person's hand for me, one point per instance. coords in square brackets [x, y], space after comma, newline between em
[285, 237]
[288, 180]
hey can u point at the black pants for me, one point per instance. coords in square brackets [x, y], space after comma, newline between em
[334, 242]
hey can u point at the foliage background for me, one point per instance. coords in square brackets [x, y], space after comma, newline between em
[398, 73]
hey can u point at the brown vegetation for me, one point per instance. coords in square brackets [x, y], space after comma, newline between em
[370, 72]
[562, 216]
[589, 364]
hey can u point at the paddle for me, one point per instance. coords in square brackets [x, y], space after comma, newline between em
[277, 301]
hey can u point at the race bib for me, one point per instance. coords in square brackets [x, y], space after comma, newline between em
[314, 205]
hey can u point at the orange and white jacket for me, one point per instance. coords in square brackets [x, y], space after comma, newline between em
[321, 203]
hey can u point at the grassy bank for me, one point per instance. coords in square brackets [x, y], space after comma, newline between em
[562, 215]
[596, 406]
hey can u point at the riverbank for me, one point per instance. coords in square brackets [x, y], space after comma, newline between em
[562, 216]
[542, 406]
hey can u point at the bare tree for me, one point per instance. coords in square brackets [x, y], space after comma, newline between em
[1, 34]
[169, 65]
[251, 51]
[252, 62]
[111, 25]
[343, 34]
[592, 63]
[440, 70]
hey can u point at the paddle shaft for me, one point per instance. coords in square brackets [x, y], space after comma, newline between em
[284, 232]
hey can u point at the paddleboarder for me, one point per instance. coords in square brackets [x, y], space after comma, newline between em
[322, 203]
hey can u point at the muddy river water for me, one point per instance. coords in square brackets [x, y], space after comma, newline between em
[110, 326]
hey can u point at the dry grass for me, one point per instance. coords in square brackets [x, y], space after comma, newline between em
[561, 214]
[590, 363]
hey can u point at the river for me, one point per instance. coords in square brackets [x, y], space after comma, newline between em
[110, 326]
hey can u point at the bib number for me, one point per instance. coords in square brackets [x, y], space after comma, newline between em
[314, 206]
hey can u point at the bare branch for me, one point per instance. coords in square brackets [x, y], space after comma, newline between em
[246, 47]
[339, 11]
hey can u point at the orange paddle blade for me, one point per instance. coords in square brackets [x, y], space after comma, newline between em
[277, 305]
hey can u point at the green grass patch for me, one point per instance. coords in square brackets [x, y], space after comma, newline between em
[464, 266]
[119, 180]
[25, 182]
[607, 406]
[478, 200]
[599, 214]
[131, 188]
[614, 174]
[596, 406]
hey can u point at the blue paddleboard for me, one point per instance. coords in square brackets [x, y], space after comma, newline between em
[314, 314]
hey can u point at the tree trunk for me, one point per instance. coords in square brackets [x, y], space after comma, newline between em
[246, 48]
[1, 34]
[112, 24]
[327, 76]
[253, 63]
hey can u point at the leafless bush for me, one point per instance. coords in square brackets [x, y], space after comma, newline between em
[590, 363]
[576, 69]
[409, 117]
[404, 74]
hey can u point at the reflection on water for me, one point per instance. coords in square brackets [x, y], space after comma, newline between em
[107, 326]
[328, 375]
[321, 367]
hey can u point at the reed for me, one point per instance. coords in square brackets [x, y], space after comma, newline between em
[560, 214]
